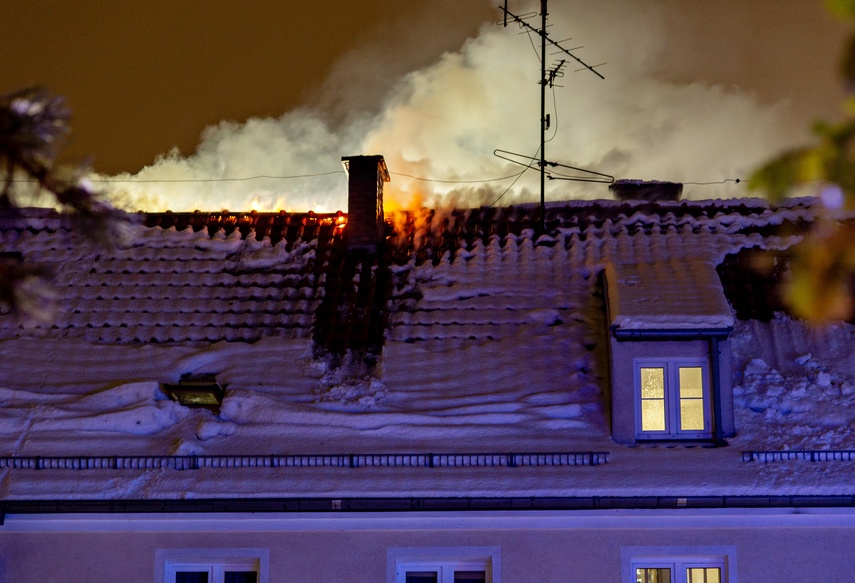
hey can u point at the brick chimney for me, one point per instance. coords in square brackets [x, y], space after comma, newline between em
[365, 178]
[649, 190]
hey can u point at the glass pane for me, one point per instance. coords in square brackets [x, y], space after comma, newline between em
[422, 577]
[703, 575]
[653, 575]
[691, 382]
[653, 415]
[692, 414]
[652, 383]
[241, 577]
[191, 577]
[470, 577]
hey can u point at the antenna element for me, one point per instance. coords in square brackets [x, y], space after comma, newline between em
[546, 78]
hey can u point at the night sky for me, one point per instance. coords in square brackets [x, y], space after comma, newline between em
[144, 77]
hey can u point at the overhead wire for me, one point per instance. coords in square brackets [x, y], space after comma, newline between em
[227, 179]
[528, 34]
[524, 170]
[453, 181]
[515, 176]
[179, 180]
[736, 180]
[555, 113]
[266, 176]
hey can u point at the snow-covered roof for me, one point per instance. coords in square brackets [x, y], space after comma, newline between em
[683, 294]
[494, 342]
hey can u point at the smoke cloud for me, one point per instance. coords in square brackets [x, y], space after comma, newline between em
[438, 127]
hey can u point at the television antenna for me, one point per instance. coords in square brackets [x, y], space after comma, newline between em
[547, 78]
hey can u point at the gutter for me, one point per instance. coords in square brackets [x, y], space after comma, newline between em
[671, 334]
[416, 504]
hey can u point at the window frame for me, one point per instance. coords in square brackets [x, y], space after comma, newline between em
[212, 561]
[671, 367]
[679, 566]
[678, 559]
[442, 560]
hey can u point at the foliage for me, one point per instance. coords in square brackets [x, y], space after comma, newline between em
[821, 287]
[33, 125]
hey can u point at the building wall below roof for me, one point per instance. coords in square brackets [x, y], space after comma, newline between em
[583, 546]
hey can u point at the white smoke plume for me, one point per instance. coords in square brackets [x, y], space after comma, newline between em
[444, 121]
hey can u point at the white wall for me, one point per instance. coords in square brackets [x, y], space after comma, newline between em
[543, 547]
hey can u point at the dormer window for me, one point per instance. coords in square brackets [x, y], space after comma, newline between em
[669, 347]
[673, 399]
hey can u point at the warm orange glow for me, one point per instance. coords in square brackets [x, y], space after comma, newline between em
[396, 199]
[340, 222]
[267, 204]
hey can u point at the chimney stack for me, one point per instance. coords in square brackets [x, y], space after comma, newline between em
[647, 190]
[365, 178]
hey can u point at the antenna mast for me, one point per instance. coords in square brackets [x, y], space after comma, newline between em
[546, 78]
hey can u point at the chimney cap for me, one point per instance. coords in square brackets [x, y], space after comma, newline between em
[376, 158]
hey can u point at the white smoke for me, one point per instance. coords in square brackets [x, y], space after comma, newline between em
[444, 121]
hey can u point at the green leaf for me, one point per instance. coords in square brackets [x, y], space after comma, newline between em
[781, 174]
[841, 8]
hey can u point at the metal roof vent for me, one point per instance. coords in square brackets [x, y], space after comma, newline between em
[647, 190]
[197, 390]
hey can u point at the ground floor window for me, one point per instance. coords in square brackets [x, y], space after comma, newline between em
[443, 565]
[212, 565]
[213, 573]
[453, 573]
[679, 572]
[679, 565]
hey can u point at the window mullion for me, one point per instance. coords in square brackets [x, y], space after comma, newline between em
[446, 574]
[672, 399]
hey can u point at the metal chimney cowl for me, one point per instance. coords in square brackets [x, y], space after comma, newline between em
[365, 178]
[647, 190]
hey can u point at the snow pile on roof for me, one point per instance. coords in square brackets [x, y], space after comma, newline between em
[794, 386]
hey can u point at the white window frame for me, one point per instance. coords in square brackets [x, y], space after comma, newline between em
[672, 398]
[678, 559]
[443, 561]
[212, 561]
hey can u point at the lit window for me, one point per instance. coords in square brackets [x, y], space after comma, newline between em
[213, 566]
[673, 399]
[443, 565]
[680, 571]
[678, 564]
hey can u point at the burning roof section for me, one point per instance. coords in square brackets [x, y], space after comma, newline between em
[207, 277]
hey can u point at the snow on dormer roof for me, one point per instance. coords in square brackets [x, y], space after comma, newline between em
[683, 294]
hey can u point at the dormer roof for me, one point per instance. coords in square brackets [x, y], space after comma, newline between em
[684, 294]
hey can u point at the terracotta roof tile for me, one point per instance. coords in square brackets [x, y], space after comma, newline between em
[191, 277]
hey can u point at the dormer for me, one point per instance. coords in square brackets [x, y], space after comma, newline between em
[669, 347]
